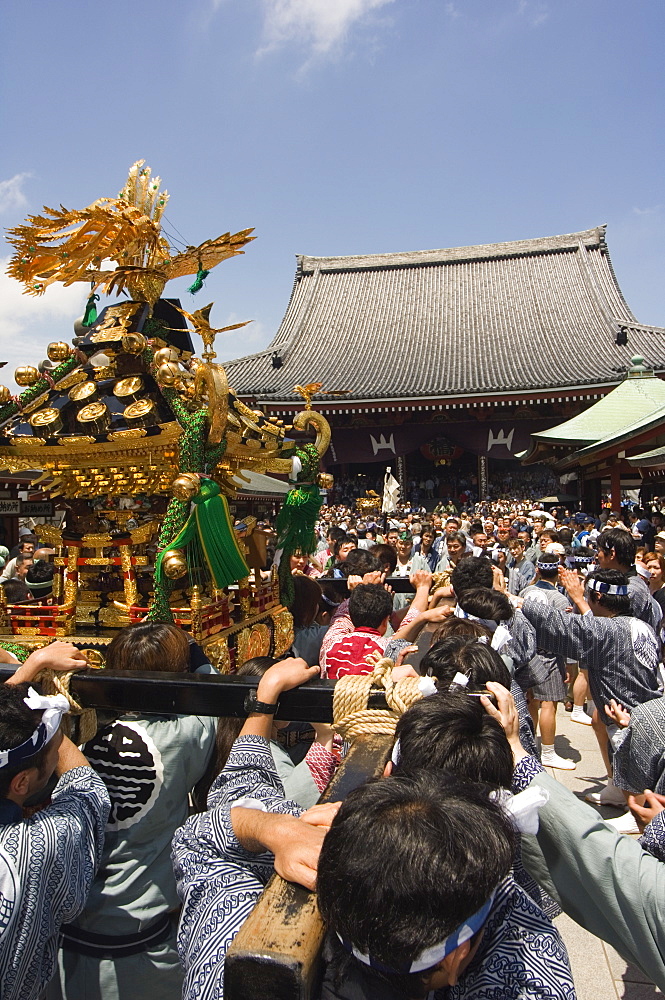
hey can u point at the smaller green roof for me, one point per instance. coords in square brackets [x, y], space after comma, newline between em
[632, 402]
[656, 457]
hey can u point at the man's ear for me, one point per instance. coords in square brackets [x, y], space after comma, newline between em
[20, 785]
[388, 769]
[448, 971]
[455, 962]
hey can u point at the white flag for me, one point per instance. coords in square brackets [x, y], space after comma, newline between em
[390, 493]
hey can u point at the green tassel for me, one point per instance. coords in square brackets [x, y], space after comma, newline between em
[197, 284]
[90, 314]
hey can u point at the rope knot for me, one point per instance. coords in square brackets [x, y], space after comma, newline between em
[351, 715]
[57, 682]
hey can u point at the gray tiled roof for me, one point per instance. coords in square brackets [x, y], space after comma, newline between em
[531, 314]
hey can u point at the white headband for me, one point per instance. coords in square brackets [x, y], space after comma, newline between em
[53, 708]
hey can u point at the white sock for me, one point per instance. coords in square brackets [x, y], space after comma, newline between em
[547, 751]
[578, 710]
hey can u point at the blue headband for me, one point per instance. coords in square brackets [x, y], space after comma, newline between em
[541, 564]
[613, 589]
[430, 957]
[53, 708]
[580, 560]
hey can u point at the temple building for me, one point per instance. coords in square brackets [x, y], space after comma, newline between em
[443, 363]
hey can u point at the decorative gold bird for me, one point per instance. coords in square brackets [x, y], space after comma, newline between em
[69, 246]
[200, 320]
[313, 388]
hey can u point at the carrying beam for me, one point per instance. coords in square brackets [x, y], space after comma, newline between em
[277, 951]
[196, 694]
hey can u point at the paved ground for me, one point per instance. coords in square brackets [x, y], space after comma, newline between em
[599, 972]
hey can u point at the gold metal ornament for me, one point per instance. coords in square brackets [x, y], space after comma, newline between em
[85, 392]
[325, 480]
[26, 375]
[72, 379]
[134, 343]
[58, 351]
[168, 374]
[5, 394]
[166, 354]
[95, 418]
[142, 413]
[174, 564]
[186, 486]
[47, 421]
[128, 389]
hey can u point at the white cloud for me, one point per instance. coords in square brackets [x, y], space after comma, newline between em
[322, 25]
[11, 193]
[536, 12]
[452, 11]
[29, 324]
[650, 210]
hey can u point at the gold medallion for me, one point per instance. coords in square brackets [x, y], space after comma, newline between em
[48, 421]
[83, 393]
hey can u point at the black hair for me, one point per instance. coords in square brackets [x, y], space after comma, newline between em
[406, 861]
[454, 733]
[369, 605]
[619, 604]
[361, 561]
[17, 724]
[337, 544]
[335, 533]
[623, 543]
[475, 527]
[28, 540]
[16, 591]
[386, 556]
[476, 571]
[455, 654]
[566, 536]
[307, 597]
[457, 536]
[41, 573]
[481, 602]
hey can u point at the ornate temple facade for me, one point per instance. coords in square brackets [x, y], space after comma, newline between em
[450, 357]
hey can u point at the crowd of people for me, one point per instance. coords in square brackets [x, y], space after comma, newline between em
[128, 865]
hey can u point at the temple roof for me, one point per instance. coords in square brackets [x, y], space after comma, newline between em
[506, 317]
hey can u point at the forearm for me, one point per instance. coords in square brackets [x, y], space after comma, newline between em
[69, 757]
[27, 671]
[258, 831]
[421, 600]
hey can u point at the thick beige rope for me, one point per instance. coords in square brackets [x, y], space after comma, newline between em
[352, 717]
[57, 682]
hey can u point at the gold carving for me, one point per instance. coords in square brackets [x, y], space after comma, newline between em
[283, 631]
[128, 388]
[36, 403]
[142, 413]
[49, 419]
[132, 432]
[96, 416]
[85, 392]
[69, 380]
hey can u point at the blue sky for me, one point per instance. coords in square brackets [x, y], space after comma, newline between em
[336, 127]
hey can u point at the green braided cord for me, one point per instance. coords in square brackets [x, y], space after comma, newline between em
[20, 652]
[33, 391]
